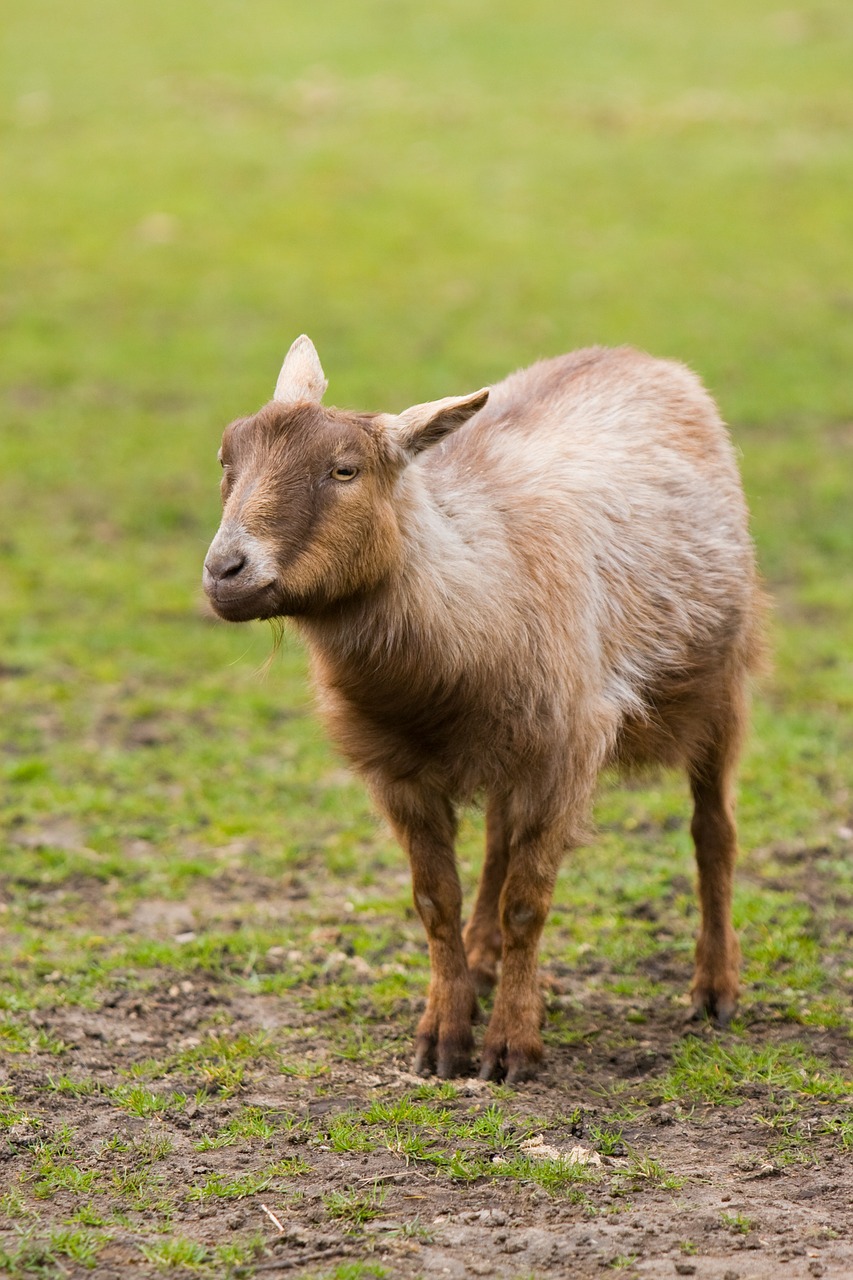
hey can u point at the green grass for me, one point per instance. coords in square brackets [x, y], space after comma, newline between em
[737, 1222]
[355, 1208]
[352, 1271]
[437, 194]
[716, 1073]
[63, 1247]
[174, 1253]
[249, 1184]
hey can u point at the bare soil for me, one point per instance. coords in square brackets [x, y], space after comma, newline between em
[738, 1213]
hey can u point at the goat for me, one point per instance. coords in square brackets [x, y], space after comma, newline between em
[502, 594]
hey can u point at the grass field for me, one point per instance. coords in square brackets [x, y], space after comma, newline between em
[210, 971]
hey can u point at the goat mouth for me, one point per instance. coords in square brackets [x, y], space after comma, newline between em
[243, 605]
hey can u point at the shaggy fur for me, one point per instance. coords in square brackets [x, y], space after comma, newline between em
[503, 594]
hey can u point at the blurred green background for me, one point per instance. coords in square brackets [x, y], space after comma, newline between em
[436, 194]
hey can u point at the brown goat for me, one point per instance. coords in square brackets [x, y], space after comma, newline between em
[502, 594]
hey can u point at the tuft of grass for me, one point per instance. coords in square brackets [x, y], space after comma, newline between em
[439, 1091]
[14, 1207]
[250, 1124]
[560, 1178]
[607, 1139]
[139, 1101]
[353, 1271]
[72, 1088]
[222, 1059]
[237, 1254]
[176, 1252]
[88, 1216]
[716, 1072]
[841, 1126]
[50, 1256]
[141, 1190]
[56, 1168]
[238, 1186]
[355, 1208]
[348, 1132]
[646, 1169]
[11, 1111]
[15, 1037]
[739, 1223]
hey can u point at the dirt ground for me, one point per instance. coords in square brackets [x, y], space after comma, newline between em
[736, 1215]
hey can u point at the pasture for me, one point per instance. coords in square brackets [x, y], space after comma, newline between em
[210, 970]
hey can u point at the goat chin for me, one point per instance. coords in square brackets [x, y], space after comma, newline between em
[504, 593]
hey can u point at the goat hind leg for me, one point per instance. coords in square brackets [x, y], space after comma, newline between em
[715, 985]
[482, 935]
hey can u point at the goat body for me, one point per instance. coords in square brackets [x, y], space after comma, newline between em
[502, 594]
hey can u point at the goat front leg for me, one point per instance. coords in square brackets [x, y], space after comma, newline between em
[513, 1042]
[426, 827]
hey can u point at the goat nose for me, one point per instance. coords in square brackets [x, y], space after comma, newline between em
[225, 566]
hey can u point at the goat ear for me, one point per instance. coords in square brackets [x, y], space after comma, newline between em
[424, 425]
[301, 376]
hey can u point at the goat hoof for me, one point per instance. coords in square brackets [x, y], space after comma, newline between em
[512, 1065]
[453, 1063]
[521, 1067]
[422, 1068]
[492, 1066]
[423, 1063]
[445, 1057]
[719, 1009]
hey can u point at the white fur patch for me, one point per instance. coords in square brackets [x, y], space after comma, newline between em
[233, 538]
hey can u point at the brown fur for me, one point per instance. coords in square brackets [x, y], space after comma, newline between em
[509, 595]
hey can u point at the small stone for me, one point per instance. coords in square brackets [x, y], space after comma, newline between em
[685, 1268]
[492, 1218]
[663, 1116]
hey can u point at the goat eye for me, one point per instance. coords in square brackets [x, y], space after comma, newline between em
[344, 473]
